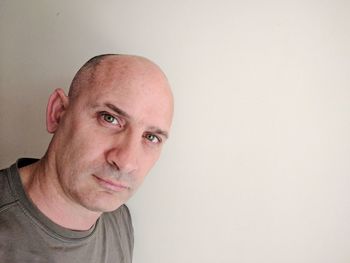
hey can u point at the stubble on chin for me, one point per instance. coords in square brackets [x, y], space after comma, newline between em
[84, 190]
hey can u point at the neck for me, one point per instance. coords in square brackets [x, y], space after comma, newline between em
[40, 181]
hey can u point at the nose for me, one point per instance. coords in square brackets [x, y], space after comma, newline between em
[124, 154]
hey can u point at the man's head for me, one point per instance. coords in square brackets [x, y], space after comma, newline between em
[109, 131]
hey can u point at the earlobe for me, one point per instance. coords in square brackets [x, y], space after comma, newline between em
[56, 107]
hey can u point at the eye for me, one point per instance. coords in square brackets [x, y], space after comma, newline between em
[152, 138]
[110, 119]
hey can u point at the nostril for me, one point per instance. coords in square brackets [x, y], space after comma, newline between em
[116, 166]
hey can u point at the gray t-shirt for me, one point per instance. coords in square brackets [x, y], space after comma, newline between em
[27, 235]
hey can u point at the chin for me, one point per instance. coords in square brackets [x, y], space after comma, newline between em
[104, 206]
[101, 201]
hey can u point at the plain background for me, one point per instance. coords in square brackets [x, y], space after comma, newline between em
[257, 167]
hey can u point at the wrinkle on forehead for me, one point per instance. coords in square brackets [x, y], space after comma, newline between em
[120, 74]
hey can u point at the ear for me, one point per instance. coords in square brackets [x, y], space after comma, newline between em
[56, 107]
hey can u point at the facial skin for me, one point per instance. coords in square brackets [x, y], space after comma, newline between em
[110, 136]
[106, 137]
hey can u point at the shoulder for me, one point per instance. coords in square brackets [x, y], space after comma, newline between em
[124, 213]
[121, 216]
[6, 194]
[11, 188]
[119, 223]
[120, 220]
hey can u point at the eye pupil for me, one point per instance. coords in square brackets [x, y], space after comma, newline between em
[152, 138]
[109, 118]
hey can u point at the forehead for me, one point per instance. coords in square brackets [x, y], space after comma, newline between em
[140, 90]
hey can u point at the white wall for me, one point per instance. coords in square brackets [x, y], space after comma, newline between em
[257, 168]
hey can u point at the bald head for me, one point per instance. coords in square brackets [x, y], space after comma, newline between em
[114, 67]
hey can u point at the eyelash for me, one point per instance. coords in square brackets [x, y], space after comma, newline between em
[106, 114]
[155, 136]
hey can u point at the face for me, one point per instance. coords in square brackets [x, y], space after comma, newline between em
[111, 135]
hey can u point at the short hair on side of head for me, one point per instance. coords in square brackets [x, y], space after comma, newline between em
[84, 74]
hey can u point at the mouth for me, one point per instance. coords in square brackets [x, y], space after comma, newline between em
[110, 185]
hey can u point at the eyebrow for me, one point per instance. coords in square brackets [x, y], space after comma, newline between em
[118, 110]
[159, 131]
[126, 115]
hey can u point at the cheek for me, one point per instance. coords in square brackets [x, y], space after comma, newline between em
[79, 158]
[87, 144]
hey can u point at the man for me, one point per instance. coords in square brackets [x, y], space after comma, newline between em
[107, 134]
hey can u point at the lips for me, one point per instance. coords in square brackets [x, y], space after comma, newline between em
[110, 185]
